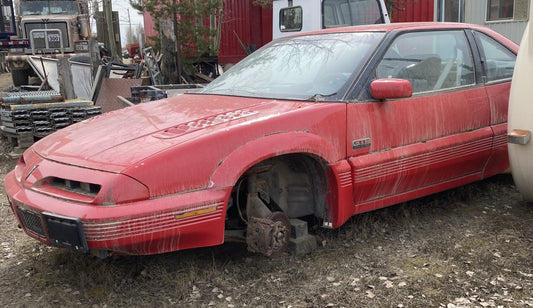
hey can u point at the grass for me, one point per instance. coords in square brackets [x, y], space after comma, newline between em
[472, 241]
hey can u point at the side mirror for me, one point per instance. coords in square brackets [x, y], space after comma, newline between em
[390, 88]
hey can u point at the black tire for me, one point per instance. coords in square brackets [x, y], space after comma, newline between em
[20, 77]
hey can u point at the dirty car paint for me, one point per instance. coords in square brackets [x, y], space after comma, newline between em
[182, 172]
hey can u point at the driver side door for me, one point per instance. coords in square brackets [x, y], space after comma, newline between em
[400, 149]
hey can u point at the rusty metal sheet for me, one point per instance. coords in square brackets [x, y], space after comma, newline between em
[113, 87]
[45, 68]
[48, 68]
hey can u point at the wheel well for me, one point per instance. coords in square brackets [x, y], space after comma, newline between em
[294, 183]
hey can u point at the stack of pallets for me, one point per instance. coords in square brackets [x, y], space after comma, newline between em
[28, 116]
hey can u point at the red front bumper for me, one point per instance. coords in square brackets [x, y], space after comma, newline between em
[170, 223]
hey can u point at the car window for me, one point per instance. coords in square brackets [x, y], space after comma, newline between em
[499, 61]
[290, 19]
[351, 13]
[310, 67]
[431, 60]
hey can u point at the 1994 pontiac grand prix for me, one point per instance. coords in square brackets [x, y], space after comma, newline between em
[317, 126]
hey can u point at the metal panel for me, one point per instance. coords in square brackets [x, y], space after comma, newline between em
[113, 87]
[512, 29]
[413, 11]
[46, 68]
[245, 22]
[236, 21]
[81, 79]
[476, 11]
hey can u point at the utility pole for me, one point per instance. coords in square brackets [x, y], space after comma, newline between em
[108, 14]
[130, 33]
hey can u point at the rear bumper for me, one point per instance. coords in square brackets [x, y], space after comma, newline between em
[159, 225]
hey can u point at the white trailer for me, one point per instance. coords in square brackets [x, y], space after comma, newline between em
[292, 16]
[520, 121]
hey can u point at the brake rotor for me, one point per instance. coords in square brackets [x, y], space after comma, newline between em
[281, 232]
[269, 236]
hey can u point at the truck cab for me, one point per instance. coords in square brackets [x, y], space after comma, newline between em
[53, 29]
[293, 16]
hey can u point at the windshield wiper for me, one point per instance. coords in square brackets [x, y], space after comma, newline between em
[320, 97]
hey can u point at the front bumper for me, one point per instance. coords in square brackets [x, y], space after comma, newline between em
[159, 225]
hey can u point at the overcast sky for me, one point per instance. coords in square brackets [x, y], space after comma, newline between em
[123, 7]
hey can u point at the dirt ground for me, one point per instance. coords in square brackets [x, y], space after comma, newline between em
[467, 247]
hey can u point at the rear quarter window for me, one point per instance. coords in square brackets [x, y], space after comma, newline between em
[498, 60]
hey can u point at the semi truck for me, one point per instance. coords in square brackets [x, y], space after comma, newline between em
[50, 28]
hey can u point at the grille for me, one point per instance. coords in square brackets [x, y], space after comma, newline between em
[31, 221]
[40, 43]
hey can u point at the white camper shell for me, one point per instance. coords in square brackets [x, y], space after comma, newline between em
[292, 16]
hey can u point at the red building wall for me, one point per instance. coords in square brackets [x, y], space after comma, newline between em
[413, 10]
[240, 20]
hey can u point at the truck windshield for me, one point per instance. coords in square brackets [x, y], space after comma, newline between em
[341, 13]
[311, 67]
[48, 8]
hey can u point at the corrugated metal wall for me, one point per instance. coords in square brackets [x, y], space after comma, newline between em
[242, 20]
[408, 11]
[149, 26]
[476, 12]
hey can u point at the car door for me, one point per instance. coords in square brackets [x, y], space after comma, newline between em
[440, 137]
[498, 66]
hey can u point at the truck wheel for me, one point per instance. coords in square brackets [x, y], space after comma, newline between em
[19, 76]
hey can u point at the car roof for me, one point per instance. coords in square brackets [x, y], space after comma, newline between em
[414, 26]
[400, 27]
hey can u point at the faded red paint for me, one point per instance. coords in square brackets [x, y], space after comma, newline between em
[167, 168]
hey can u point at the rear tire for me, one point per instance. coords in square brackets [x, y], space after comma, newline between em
[20, 76]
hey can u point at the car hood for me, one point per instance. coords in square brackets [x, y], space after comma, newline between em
[119, 139]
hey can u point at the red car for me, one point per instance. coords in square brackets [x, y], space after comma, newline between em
[317, 127]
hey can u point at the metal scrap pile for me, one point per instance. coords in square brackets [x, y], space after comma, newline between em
[41, 113]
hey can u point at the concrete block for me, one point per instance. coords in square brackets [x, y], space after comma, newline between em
[302, 245]
[298, 228]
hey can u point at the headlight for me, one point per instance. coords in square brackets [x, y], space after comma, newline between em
[19, 168]
[122, 189]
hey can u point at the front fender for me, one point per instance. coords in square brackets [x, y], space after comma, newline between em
[253, 152]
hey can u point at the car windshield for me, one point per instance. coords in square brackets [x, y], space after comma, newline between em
[310, 67]
[48, 8]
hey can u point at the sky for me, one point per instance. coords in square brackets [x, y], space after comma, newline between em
[123, 6]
